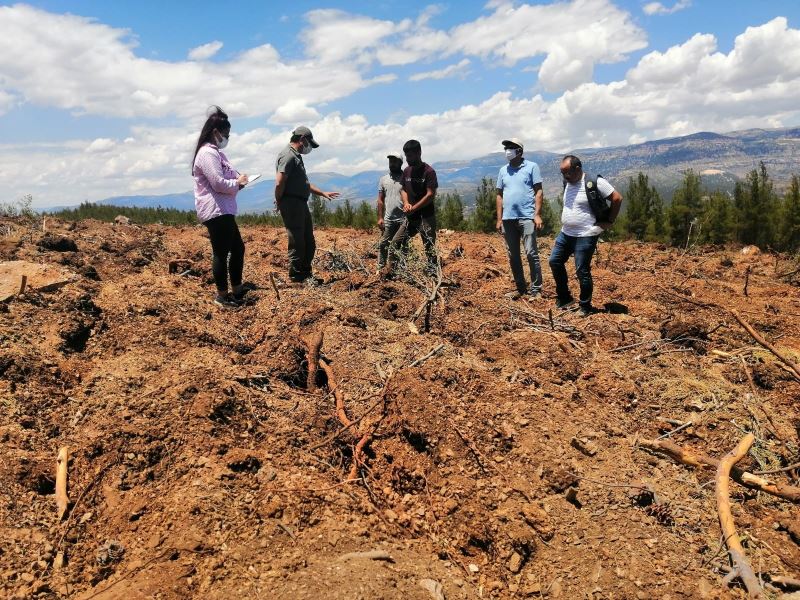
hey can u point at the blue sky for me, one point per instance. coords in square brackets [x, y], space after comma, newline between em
[102, 98]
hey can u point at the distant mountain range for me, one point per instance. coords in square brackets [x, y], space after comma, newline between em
[720, 159]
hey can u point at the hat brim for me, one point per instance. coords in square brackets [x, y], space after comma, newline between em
[510, 143]
[313, 143]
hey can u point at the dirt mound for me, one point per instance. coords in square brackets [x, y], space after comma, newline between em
[486, 448]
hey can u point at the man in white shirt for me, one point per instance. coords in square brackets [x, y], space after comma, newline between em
[580, 228]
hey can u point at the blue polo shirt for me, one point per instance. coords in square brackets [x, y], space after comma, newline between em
[517, 186]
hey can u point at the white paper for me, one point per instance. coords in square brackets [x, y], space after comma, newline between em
[252, 179]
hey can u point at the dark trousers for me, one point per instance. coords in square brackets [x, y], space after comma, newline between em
[228, 251]
[426, 227]
[583, 248]
[390, 229]
[514, 232]
[300, 229]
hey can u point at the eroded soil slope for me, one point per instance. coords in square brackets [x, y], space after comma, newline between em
[505, 464]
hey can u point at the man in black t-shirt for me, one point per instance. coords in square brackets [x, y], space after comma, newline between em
[418, 194]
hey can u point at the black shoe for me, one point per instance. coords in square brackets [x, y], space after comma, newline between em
[534, 293]
[586, 310]
[515, 295]
[227, 302]
[565, 304]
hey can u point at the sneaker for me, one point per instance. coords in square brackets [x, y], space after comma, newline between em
[565, 304]
[515, 295]
[534, 293]
[312, 281]
[227, 302]
[585, 311]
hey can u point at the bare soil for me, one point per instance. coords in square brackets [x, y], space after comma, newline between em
[505, 465]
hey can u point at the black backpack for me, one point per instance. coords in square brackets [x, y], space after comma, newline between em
[599, 205]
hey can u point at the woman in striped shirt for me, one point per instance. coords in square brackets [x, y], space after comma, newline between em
[216, 184]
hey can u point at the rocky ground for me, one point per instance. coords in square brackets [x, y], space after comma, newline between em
[495, 448]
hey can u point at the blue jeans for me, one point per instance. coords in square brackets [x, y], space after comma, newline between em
[583, 248]
[514, 231]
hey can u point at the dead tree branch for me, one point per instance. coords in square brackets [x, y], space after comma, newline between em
[744, 478]
[62, 500]
[741, 565]
[757, 337]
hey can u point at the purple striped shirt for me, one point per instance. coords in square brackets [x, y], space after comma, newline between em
[215, 186]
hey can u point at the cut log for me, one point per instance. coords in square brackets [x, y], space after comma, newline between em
[741, 565]
[745, 478]
[62, 500]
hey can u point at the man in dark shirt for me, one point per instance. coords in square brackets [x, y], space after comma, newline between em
[292, 189]
[418, 194]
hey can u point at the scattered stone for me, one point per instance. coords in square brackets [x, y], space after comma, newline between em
[584, 446]
[515, 563]
[473, 568]
[433, 587]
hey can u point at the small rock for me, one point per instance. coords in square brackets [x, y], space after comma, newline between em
[433, 587]
[473, 568]
[390, 514]
[515, 563]
[27, 577]
[584, 446]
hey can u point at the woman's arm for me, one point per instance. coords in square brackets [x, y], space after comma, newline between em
[210, 165]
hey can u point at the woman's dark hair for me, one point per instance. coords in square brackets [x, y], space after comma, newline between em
[216, 120]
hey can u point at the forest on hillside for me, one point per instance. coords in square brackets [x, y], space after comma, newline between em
[753, 214]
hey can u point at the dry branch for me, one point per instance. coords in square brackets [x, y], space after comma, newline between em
[23, 284]
[333, 386]
[431, 297]
[313, 344]
[62, 500]
[757, 337]
[698, 459]
[274, 285]
[741, 565]
[430, 354]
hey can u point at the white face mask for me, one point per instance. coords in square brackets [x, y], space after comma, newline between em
[305, 148]
[511, 154]
[222, 143]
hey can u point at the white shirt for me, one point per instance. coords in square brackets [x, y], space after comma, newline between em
[577, 218]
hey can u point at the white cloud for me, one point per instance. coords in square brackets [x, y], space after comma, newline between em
[657, 8]
[100, 145]
[690, 87]
[459, 68]
[205, 51]
[75, 63]
[294, 111]
[7, 102]
[509, 34]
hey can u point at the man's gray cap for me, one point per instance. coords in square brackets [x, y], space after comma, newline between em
[513, 142]
[306, 132]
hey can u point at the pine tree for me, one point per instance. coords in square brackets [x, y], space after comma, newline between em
[343, 215]
[757, 208]
[718, 219]
[365, 217]
[551, 222]
[789, 228]
[638, 206]
[657, 224]
[685, 208]
[451, 214]
[484, 218]
[320, 214]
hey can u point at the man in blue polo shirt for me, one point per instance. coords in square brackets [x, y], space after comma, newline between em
[519, 206]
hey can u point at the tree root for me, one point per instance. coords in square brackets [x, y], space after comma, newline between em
[745, 478]
[741, 565]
